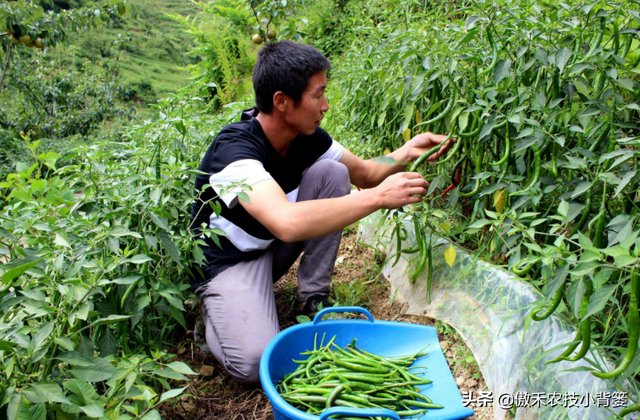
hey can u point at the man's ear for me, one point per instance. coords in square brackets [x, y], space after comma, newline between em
[280, 101]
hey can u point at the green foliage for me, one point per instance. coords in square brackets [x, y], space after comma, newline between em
[96, 259]
[50, 102]
[153, 61]
[328, 28]
[301, 319]
[58, 106]
[544, 104]
[60, 5]
[42, 98]
[26, 23]
[279, 15]
[224, 48]
[352, 293]
[357, 292]
[95, 252]
[463, 356]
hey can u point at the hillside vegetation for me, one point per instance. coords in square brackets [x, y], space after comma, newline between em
[155, 52]
[102, 132]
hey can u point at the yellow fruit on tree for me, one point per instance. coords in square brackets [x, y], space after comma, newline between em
[26, 40]
[257, 39]
[39, 43]
[271, 34]
[15, 41]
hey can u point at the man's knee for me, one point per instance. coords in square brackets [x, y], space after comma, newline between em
[334, 174]
[246, 368]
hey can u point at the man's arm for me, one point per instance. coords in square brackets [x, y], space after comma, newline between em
[369, 173]
[292, 222]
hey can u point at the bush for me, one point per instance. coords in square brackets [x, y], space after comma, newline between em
[544, 104]
[96, 265]
[225, 54]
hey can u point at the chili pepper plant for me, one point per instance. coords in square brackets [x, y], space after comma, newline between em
[543, 100]
[95, 265]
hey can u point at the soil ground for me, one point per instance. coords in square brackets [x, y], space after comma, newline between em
[356, 281]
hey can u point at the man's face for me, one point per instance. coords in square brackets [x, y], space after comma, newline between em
[306, 116]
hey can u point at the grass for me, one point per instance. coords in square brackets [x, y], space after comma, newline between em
[463, 356]
[156, 48]
[153, 59]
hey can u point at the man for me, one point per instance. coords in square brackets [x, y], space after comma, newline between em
[299, 200]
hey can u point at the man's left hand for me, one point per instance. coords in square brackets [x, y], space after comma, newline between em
[422, 143]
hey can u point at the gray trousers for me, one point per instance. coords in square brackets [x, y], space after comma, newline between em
[238, 305]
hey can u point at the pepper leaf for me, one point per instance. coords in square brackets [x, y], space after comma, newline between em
[450, 255]
[501, 70]
[598, 300]
[562, 57]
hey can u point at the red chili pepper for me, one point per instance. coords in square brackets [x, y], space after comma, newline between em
[449, 188]
[455, 183]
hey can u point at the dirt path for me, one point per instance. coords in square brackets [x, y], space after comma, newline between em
[214, 395]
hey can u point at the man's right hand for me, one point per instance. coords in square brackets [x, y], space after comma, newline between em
[401, 189]
[303, 220]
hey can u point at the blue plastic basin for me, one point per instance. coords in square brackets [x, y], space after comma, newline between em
[379, 337]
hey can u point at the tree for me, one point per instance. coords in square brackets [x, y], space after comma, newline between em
[30, 25]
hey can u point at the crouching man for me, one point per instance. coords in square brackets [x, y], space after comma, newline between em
[299, 202]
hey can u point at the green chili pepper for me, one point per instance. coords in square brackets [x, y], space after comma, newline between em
[568, 350]
[631, 409]
[430, 269]
[537, 167]
[555, 302]
[398, 232]
[616, 38]
[600, 34]
[633, 325]
[421, 404]
[506, 150]
[361, 368]
[626, 45]
[419, 232]
[451, 153]
[353, 385]
[597, 241]
[478, 170]
[430, 152]
[555, 83]
[310, 364]
[522, 271]
[322, 400]
[471, 133]
[415, 395]
[345, 385]
[585, 325]
[360, 377]
[585, 215]
[334, 395]
[494, 54]
[443, 114]
[410, 413]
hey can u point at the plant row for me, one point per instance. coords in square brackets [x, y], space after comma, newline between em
[96, 256]
[543, 101]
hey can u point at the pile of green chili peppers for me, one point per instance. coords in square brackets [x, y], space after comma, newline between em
[352, 377]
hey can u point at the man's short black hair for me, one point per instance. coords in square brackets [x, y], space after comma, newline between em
[285, 66]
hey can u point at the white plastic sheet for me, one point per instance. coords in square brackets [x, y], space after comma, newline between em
[488, 307]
